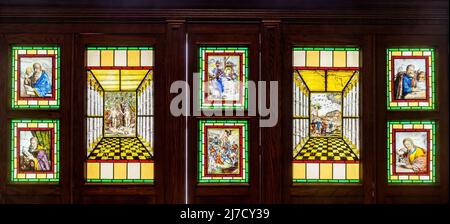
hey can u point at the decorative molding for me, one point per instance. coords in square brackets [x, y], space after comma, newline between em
[117, 15]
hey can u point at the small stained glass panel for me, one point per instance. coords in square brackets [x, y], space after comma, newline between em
[34, 151]
[411, 152]
[223, 151]
[224, 76]
[35, 77]
[410, 77]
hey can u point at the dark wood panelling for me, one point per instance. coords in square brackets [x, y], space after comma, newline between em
[340, 193]
[230, 35]
[271, 153]
[174, 141]
[112, 193]
[46, 193]
[434, 193]
[270, 34]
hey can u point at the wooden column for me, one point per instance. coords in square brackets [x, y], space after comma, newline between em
[271, 150]
[174, 135]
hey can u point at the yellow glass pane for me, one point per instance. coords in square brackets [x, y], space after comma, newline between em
[418, 126]
[22, 102]
[42, 102]
[353, 171]
[120, 170]
[32, 125]
[397, 126]
[299, 170]
[314, 79]
[326, 171]
[107, 58]
[147, 170]
[134, 58]
[108, 79]
[93, 170]
[313, 58]
[339, 59]
[130, 79]
[337, 80]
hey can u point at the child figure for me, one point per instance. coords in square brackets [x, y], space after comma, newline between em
[421, 84]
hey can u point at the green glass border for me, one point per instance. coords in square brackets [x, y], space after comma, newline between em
[13, 96]
[432, 180]
[326, 49]
[119, 48]
[120, 181]
[200, 166]
[201, 69]
[326, 181]
[57, 153]
[432, 105]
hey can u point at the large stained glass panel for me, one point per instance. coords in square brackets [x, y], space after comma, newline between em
[34, 151]
[410, 75]
[326, 123]
[119, 115]
[35, 77]
[411, 152]
[224, 72]
[223, 151]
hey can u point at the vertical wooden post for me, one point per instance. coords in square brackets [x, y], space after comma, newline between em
[174, 142]
[271, 151]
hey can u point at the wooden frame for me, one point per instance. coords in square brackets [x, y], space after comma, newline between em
[419, 193]
[134, 193]
[341, 193]
[206, 35]
[36, 193]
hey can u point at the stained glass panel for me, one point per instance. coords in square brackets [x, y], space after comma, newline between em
[119, 115]
[223, 151]
[224, 72]
[326, 115]
[35, 77]
[410, 75]
[411, 152]
[34, 151]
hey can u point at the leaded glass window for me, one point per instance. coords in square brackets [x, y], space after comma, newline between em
[119, 115]
[411, 152]
[410, 75]
[326, 115]
[223, 151]
[34, 151]
[35, 77]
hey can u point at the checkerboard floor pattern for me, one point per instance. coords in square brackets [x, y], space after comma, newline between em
[120, 148]
[326, 149]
